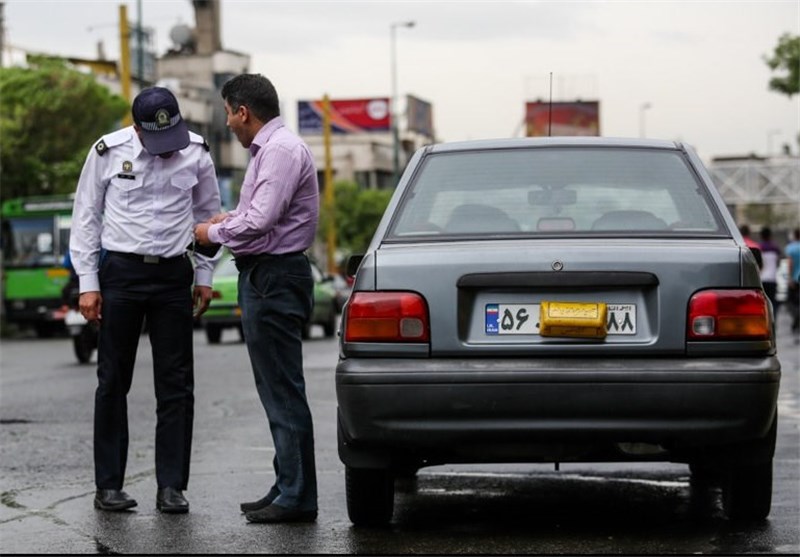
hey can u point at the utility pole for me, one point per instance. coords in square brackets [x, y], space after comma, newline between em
[125, 60]
[330, 199]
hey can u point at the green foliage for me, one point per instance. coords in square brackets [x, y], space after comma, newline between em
[50, 115]
[786, 57]
[357, 214]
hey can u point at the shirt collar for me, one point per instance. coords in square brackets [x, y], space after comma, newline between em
[137, 144]
[265, 133]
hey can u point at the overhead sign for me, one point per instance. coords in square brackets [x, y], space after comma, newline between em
[562, 118]
[347, 116]
[420, 116]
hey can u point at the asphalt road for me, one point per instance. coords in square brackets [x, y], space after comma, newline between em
[47, 486]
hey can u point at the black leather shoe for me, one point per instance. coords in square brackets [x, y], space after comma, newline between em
[276, 513]
[171, 500]
[113, 500]
[251, 506]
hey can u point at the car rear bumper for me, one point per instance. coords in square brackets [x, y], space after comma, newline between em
[480, 410]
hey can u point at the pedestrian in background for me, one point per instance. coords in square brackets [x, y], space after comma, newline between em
[770, 256]
[140, 193]
[268, 232]
[793, 254]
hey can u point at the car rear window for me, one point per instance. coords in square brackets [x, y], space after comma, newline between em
[563, 191]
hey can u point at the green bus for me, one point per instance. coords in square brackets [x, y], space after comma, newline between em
[35, 238]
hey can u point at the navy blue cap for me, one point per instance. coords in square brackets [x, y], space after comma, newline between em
[155, 110]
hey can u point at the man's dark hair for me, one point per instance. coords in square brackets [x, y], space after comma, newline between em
[744, 229]
[766, 233]
[254, 91]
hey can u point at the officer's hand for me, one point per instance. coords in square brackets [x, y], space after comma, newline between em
[201, 234]
[202, 297]
[91, 304]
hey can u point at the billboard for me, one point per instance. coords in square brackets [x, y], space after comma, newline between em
[420, 116]
[347, 116]
[568, 118]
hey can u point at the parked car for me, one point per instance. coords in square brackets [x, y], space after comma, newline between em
[342, 287]
[557, 300]
[224, 311]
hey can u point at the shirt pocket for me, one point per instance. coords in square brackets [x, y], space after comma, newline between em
[184, 180]
[129, 192]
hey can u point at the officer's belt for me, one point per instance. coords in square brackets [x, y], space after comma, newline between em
[152, 259]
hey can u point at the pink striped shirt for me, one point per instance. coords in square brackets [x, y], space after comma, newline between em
[279, 201]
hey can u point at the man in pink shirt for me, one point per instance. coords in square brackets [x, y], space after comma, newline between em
[273, 224]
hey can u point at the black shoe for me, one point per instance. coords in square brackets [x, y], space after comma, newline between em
[276, 513]
[171, 500]
[251, 506]
[113, 500]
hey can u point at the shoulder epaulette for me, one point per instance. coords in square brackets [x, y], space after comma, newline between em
[112, 140]
[195, 138]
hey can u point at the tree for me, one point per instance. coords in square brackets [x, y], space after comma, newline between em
[786, 57]
[50, 115]
[358, 212]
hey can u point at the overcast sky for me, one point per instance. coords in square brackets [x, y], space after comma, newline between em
[698, 64]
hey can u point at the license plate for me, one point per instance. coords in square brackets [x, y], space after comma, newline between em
[523, 319]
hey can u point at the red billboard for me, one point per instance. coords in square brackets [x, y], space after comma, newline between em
[347, 116]
[562, 118]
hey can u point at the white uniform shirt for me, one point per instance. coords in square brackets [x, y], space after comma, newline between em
[131, 201]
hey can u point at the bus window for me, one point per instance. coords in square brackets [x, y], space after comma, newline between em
[31, 242]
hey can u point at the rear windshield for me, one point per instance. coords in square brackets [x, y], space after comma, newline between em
[562, 191]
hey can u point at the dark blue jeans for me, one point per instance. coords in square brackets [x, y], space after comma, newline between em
[276, 297]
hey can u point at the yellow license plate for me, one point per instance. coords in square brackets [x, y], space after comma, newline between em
[573, 319]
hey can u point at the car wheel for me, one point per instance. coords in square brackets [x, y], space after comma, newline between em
[213, 334]
[747, 494]
[83, 345]
[241, 332]
[330, 324]
[370, 496]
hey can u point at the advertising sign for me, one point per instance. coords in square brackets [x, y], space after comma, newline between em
[567, 118]
[347, 116]
[420, 116]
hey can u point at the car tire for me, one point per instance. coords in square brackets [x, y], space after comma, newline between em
[213, 334]
[370, 496]
[747, 493]
[83, 345]
[241, 332]
[704, 475]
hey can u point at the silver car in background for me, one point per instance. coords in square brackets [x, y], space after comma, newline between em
[557, 300]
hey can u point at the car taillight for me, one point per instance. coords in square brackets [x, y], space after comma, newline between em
[728, 315]
[386, 317]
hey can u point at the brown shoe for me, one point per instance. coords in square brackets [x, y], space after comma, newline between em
[275, 513]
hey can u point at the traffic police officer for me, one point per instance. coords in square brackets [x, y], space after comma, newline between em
[140, 193]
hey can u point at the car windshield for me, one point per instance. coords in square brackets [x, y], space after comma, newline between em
[563, 191]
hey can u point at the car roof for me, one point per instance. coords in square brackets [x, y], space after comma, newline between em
[526, 142]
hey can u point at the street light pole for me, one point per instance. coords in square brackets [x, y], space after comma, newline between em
[393, 112]
[642, 108]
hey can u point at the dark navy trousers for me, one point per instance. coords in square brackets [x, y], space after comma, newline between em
[160, 293]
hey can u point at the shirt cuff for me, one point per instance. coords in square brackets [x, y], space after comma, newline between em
[89, 283]
[213, 234]
[203, 277]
